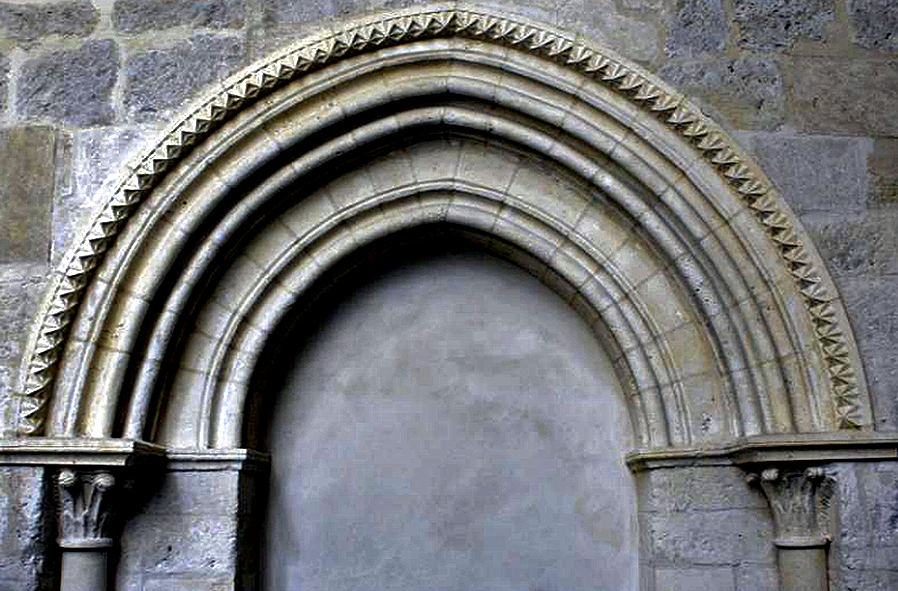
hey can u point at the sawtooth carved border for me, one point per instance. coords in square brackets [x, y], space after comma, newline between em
[241, 90]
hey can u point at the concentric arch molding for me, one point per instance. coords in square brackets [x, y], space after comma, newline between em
[641, 88]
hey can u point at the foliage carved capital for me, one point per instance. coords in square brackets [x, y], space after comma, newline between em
[85, 505]
[800, 501]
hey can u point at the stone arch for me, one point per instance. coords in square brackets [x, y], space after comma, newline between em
[705, 230]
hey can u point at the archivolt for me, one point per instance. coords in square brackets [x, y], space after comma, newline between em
[639, 211]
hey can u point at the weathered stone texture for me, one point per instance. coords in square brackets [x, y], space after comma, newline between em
[753, 577]
[695, 579]
[28, 22]
[26, 189]
[882, 173]
[697, 489]
[711, 538]
[702, 526]
[23, 535]
[845, 96]
[72, 87]
[745, 92]
[874, 24]
[813, 174]
[21, 287]
[629, 36]
[278, 11]
[642, 4]
[4, 84]
[870, 303]
[697, 27]
[96, 157]
[161, 80]
[186, 536]
[138, 16]
[865, 548]
[857, 246]
[775, 25]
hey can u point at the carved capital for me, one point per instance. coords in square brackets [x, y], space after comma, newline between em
[800, 501]
[84, 499]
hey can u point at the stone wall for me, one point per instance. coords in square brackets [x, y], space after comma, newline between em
[808, 87]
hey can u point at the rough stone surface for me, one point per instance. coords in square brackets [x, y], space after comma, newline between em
[882, 173]
[629, 36]
[96, 157]
[865, 549]
[711, 538]
[814, 174]
[484, 448]
[26, 193]
[697, 27]
[857, 246]
[874, 24]
[845, 96]
[138, 16]
[28, 22]
[23, 531]
[710, 488]
[870, 305]
[694, 579]
[72, 87]
[186, 534]
[642, 4]
[753, 577]
[775, 25]
[4, 83]
[748, 92]
[160, 80]
[21, 287]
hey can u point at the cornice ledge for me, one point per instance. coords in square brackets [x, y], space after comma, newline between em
[78, 452]
[793, 448]
[113, 453]
[217, 460]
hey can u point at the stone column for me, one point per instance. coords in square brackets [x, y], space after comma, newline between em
[800, 502]
[84, 516]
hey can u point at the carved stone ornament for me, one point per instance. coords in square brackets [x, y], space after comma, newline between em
[84, 508]
[713, 145]
[800, 502]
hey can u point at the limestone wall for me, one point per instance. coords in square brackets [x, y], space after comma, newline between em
[807, 86]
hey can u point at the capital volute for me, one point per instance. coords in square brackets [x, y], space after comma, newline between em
[800, 501]
[85, 508]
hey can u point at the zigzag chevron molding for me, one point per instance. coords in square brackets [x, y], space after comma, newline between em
[673, 109]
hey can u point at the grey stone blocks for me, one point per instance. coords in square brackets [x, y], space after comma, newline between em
[697, 27]
[28, 22]
[71, 87]
[747, 92]
[775, 25]
[705, 528]
[882, 173]
[865, 551]
[186, 537]
[23, 531]
[158, 81]
[871, 306]
[874, 24]
[814, 173]
[4, 83]
[94, 159]
[139, 16]
[845, 96]
[26, 192]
